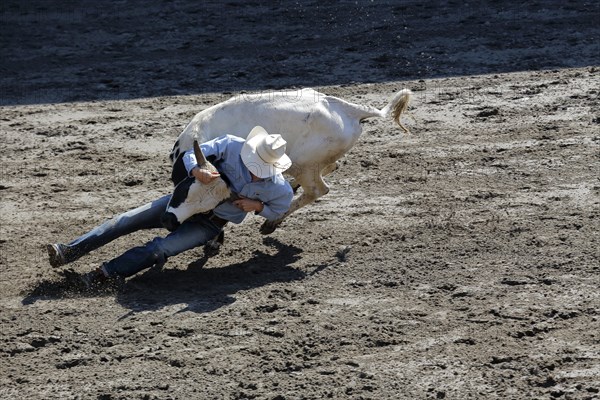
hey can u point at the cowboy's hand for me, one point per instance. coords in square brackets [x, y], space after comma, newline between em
[204, 176]
[248, 205]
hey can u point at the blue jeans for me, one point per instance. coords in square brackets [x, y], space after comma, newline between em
[194, 232]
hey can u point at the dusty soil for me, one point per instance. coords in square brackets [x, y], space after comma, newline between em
[458, 262]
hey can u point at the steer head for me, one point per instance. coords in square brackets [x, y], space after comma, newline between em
[191, 197]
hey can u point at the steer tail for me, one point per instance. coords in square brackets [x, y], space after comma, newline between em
[397, 106]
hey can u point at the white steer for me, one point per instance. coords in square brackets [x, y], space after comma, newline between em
[318, 129]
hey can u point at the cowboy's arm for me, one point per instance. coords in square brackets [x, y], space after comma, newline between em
[215, 149]
[277, 206]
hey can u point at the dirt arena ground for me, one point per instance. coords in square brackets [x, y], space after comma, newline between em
[460, 262]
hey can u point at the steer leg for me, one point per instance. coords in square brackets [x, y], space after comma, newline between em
[329, 169]
[326, 171]
[313, 186]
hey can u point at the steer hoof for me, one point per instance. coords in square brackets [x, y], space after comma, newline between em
[268, 227]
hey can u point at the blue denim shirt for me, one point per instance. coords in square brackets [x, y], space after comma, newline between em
[275, 192]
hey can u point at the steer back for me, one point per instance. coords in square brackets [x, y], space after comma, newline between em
[191, 196]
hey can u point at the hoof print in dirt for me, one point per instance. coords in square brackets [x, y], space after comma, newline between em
[133, 182]
[342, 253]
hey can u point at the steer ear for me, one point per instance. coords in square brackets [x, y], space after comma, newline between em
[200, 159]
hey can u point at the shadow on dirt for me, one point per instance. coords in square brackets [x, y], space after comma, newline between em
[65, 50]
[203, 290]
[207, 289]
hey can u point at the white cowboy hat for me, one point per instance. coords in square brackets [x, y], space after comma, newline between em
[264, 154]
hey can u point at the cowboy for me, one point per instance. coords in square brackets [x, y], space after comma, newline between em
[253, 168]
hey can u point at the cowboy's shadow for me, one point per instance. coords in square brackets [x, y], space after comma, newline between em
[203, 290]
[206, 290]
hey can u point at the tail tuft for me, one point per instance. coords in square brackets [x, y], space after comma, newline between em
[397, 106]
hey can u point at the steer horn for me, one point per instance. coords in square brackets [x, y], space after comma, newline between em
[200, 159]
